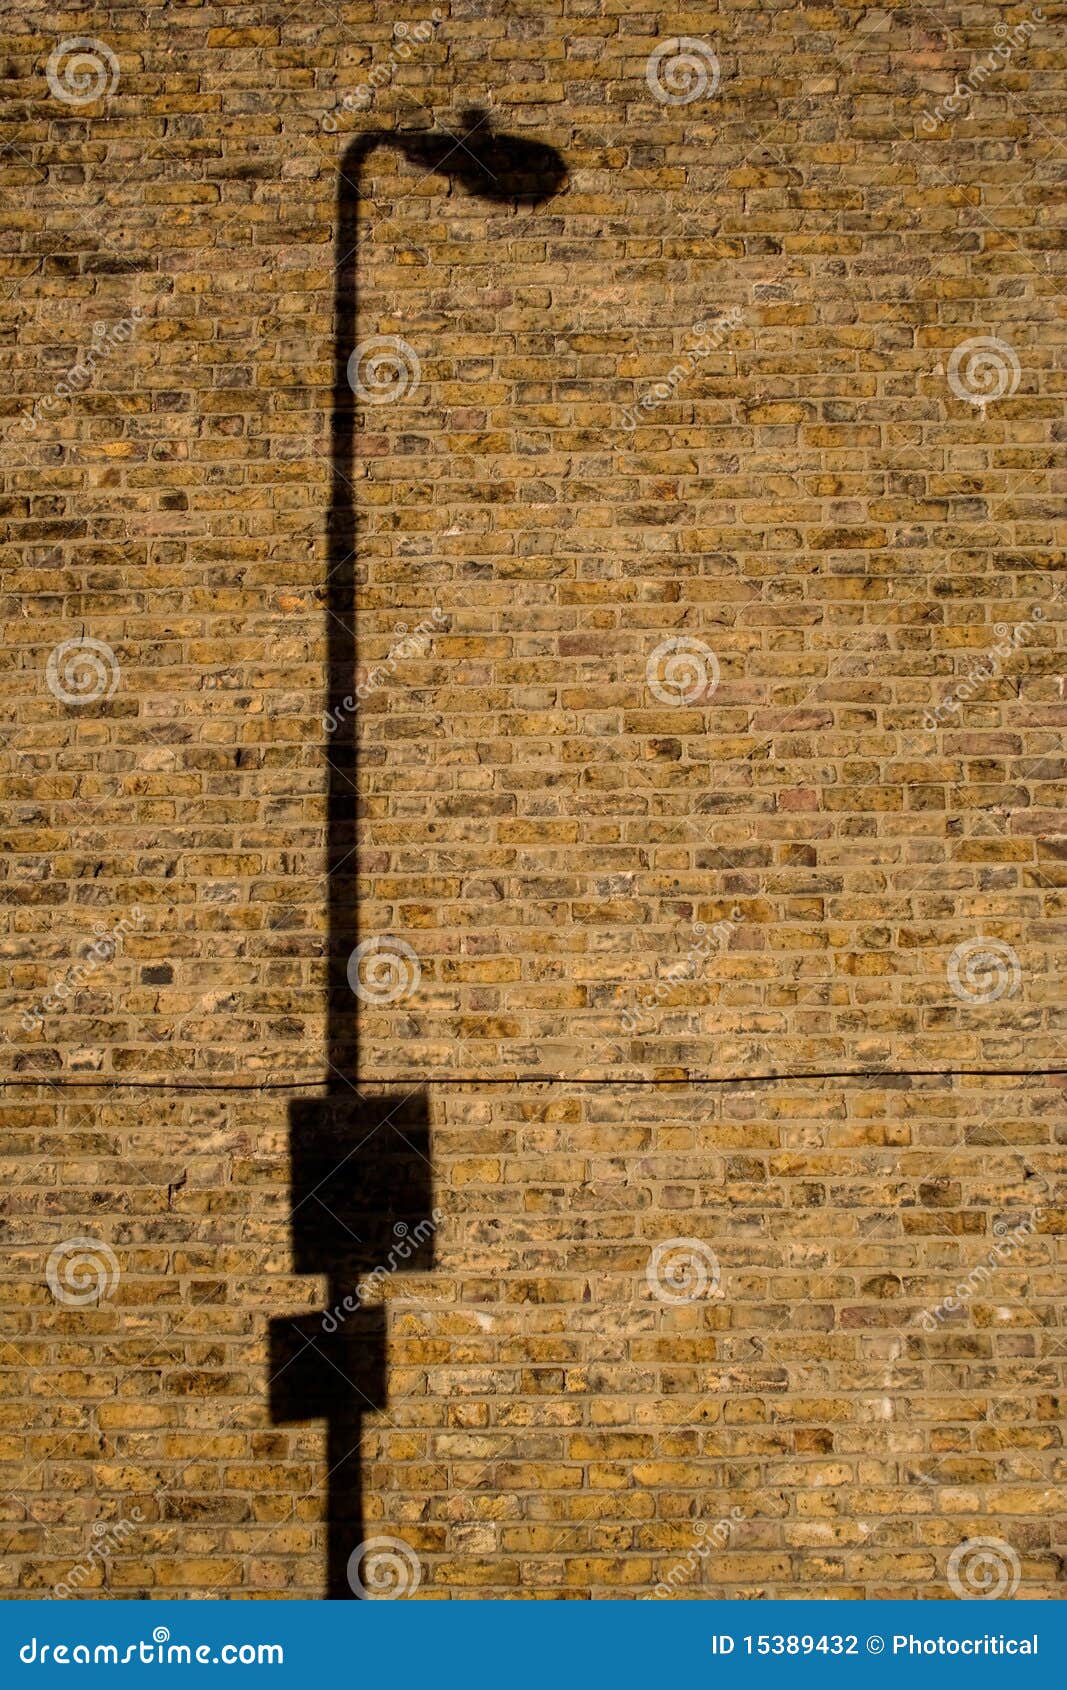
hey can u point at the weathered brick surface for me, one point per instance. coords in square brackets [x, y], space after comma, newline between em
[842, 854]
[813, 503]
[552, 1427]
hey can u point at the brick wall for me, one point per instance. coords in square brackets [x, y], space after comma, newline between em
[709, 744]
[557, 1421]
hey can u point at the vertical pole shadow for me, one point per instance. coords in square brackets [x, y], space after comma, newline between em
[360, 1173]
[362, 1193]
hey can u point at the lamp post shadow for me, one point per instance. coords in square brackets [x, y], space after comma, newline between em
[361, 1179]
[361, 1188]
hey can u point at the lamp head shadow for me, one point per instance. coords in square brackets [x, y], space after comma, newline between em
[507, 169]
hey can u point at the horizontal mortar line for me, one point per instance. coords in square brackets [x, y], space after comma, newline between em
[70, 1083]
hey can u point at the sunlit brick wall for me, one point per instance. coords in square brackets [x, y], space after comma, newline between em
[710, 712]
[787, 1401]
